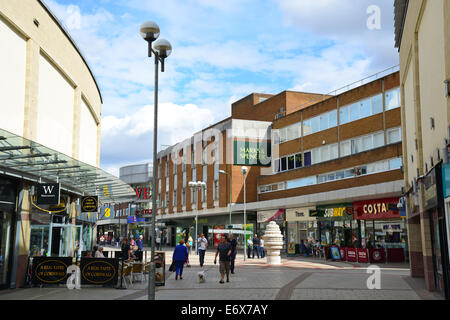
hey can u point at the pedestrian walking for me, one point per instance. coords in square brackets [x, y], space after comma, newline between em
[187, 259]
[256, 243]
[261, 246]
[190, 242]
[140, 247]
[233, 244]
[224, 252]
[125, 249]
[249, 247]
[202, 244]
[180, 255]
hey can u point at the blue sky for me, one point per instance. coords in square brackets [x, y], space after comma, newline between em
[222, 51]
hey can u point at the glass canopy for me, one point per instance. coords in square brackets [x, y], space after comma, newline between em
[32, 161]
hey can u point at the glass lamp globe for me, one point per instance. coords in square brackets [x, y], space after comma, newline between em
[163, 47]
[149, 31]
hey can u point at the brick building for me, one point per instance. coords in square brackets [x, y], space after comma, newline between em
[323, 152]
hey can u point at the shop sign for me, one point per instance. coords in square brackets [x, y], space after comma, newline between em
[99, 271]
[430, 194]
[48, 193]
[143, 193]
[446, 179]
[89, 204]
[343, 255]
[143, 211]
[362, 255]
[270, 215]
[203, 220]
[252, 153]
[299, 214]
[376, 209]
[107, 213]
[392, 228]
[160, 268]
[50, 270]
[351, 255]
[134, 219]
[218, 235]
[335, 253]
[377, 256]
[334, 212]
[291, 248]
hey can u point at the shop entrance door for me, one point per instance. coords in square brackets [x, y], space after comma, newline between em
[6, 232]
[39, 241]
[66, 239]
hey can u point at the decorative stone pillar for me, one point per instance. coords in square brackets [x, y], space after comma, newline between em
[273, 242]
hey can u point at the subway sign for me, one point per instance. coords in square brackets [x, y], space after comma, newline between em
[252, 153]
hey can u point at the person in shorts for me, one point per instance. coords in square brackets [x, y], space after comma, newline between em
[224, 252]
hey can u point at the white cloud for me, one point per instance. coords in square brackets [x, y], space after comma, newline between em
[175, 122]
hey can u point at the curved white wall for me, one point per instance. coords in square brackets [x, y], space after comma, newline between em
[12, 79]
[88, 135]
[55, 108]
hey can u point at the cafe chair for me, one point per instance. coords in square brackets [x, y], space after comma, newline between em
[138, 270]
[146, 270]
[127, 274]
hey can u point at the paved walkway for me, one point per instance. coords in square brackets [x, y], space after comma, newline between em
[296, 278]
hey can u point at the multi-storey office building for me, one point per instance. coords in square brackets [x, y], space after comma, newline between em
[337, 175]
[422, 33]
[326, 152]
[208, 153]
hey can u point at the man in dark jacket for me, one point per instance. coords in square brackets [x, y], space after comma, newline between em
[256, 243]
[233, 243]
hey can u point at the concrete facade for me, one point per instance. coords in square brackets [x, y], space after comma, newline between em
[423, 40]
[50, 97]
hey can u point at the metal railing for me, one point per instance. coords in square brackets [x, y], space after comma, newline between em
[351, 86]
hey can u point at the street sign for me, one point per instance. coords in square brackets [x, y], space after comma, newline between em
[48, 193]
[89, 204]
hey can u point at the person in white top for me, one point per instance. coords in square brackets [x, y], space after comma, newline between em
[202, 245]
[261, 247]
[99, 253]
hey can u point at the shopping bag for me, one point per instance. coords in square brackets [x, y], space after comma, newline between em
[172, 267]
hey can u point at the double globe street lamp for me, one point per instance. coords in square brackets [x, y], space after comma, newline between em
[161, 49]
[196, 186]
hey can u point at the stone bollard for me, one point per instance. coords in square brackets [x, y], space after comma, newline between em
[273, 242]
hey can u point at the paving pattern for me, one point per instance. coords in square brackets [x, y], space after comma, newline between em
[295, 279]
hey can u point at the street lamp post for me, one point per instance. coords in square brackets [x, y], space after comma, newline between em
[229, 175]
[161, 50]
[196, 186]
[244, 171]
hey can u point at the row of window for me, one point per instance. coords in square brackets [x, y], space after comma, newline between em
[183, 196]
[355, 111]
[330, 152]
[375, 167]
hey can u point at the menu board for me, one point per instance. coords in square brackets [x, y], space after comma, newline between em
[99, 271]
[160, 268]
[50, 270]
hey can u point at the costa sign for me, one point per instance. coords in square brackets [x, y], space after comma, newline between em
[376, 209]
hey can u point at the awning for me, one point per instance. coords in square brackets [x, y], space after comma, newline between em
[32, 161]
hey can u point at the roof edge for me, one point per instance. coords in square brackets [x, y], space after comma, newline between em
[66, 33]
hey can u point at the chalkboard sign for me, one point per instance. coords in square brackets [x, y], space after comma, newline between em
[50, 270]
[99, 271]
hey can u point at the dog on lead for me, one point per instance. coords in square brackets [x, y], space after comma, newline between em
[201, 276]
